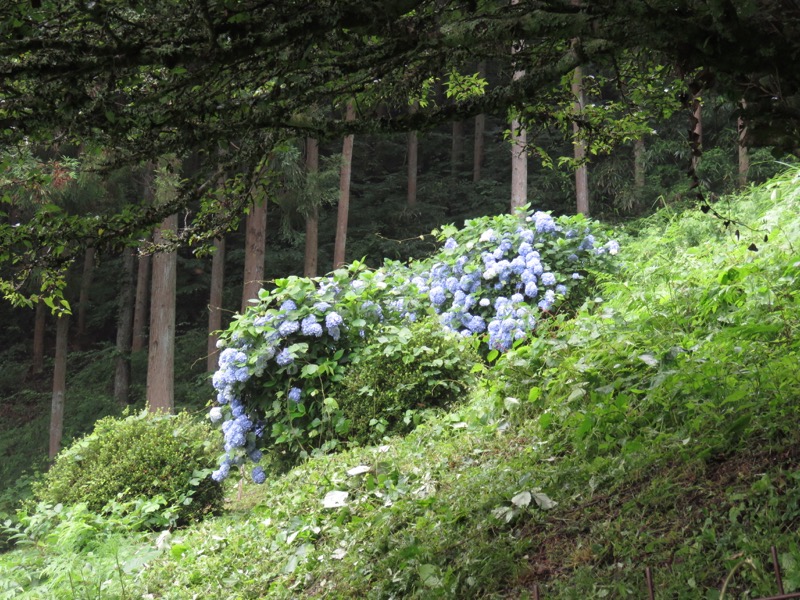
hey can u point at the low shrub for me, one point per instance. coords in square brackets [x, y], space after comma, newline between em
[406, 370]
[140, 456]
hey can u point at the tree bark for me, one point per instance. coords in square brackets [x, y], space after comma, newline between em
[480, 129]
[696, 133]
[744, 155]
[255, 250]
[83, 298]
[39, 322]
[141, 304]
[215, 302]
[312, 220]
[413, 153]
[579, 146]
[161, 350]
[457, 149]
[122, 371]
[519, 153]
[344, 193]
[59, 386]
[638, 165]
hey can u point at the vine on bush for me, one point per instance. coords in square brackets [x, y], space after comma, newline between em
[281, 360]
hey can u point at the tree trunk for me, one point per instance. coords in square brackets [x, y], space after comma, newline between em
[83, 298]
[59, 386]
[141, 303]
[480, 129]
[255, 250]
[122, 371]
[696, 133]
[457, 149]
[519, 153]
[40, 320]
[312, 220]
[579, 146]
[344, 193]
[215, 302]
[413, 147]
[744, 155]
[161, 350]
[638, 165]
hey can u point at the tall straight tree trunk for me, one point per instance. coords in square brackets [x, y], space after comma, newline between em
[59, 386]
[122, 371]
[480, 130]
[141, 303]
[215, 301]
[638, 165]
[457, 149]
[255, 250]
[161, 350]
[696, 134]
[519, 153]
[39, 322]
[344, 193]
[744, 155]
[413, 153]
[579, 146]
[477, 154]
[83, 298]
[312, 220]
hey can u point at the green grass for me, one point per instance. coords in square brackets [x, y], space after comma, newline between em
[657, 428]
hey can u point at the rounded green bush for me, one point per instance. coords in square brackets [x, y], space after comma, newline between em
[140, 456]
[406, 370]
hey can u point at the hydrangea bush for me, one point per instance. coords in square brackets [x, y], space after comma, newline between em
[497, 276]
[493, 279]
[279, 360]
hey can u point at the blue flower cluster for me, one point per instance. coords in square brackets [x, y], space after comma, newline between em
[499, 285]
[278, 342]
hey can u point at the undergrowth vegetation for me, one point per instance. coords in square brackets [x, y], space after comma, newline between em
[654, 425]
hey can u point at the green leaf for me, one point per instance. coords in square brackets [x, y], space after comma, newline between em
[309, 370]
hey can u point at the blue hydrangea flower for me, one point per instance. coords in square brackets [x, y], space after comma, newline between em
[333, 319]
[476, 324]
[295, 394]
[255, 455]
[587, 243]
[220, 474]
[543, 222]
[284, 357]
[288, 305]
[288, 327]
[258, 475]
[561, 289]
[215, 414]
[450, 244]
[548, 279]
[437, 295]
[237, 408]
[310, 327]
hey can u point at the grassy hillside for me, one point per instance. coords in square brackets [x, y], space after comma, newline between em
[657, 428]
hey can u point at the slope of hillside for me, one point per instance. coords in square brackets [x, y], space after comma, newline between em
[657, 428]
